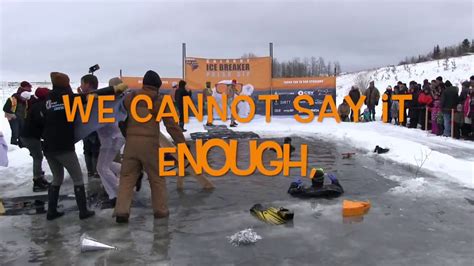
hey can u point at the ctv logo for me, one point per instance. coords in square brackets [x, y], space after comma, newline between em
[305, 92]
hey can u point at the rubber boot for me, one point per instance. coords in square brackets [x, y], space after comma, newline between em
[39, 185]
[81, 201]
[121, 219]
[53, 196]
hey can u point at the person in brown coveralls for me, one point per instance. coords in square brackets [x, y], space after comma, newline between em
[141, 151]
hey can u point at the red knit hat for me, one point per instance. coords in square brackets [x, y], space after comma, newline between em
[41, 93]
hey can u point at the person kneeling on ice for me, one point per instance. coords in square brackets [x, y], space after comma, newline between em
[317, 188]
[58, 134]
[141, 150]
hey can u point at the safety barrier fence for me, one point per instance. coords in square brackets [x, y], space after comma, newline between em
[427, 122]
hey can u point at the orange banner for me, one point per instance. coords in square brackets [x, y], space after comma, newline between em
[302, 83]
[255, 71]
[137, 82]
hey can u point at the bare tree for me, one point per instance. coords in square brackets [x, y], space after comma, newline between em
[248, 55]
[362, 82]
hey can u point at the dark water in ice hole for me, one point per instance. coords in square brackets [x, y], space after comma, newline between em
[422, 227]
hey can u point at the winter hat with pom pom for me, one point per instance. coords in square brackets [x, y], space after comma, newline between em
[41, 93]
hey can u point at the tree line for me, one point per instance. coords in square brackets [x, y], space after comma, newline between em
[438, 52]
[305, 67]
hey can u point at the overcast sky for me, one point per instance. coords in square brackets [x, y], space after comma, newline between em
[38, 37]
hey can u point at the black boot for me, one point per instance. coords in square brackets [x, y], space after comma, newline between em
[44, 181]
[39, 185]
[121, 219]
[81, 201]
[53, 196]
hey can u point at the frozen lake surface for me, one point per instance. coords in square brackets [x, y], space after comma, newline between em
[413, 221]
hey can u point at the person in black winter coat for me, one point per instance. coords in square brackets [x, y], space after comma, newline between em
[91, 143]
[59, 143]
[354, 94]
[389, 93]
[413, 105]
[449, 101]
[181, 92]
[30, 136]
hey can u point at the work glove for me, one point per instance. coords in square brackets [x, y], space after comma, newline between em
[10, 116]
[333, 178]
[120, 88]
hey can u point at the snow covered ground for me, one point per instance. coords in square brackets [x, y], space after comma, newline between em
[455, 70]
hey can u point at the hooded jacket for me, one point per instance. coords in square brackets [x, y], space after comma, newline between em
[33, 127]
[344, 109]
[373, 96]
[354, 94]
[181, 92]
[425, 99]
[449, 99]
[150, 129]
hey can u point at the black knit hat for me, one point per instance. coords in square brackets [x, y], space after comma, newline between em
[152, 78]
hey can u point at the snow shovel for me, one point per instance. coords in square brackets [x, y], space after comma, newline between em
[200, 178]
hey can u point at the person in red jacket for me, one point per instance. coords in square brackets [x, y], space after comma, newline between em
[425, 100]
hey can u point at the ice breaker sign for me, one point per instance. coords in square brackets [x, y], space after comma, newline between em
[255, 71]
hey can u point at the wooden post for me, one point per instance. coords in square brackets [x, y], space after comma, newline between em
[270, 47]
[426, 118]
[452, 123]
